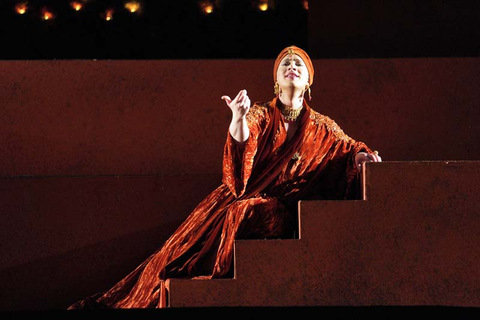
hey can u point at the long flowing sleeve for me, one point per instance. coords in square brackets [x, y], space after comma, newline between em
[352, 174]
[339, 178]
[238, 158]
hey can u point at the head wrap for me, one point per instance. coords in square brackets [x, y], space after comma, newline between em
[299, 52]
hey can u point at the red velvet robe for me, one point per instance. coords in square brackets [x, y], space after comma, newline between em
[262, 182]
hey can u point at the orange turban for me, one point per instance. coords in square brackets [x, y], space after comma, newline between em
[299, 52]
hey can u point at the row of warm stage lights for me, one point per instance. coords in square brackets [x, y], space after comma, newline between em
[47, 13]
[134, 7]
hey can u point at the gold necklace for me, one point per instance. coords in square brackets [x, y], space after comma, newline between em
[289, 113]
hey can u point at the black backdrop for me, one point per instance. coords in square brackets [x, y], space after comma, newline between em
[179, 29]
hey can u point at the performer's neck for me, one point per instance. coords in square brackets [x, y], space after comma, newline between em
[291, 98]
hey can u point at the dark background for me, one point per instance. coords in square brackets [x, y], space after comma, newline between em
[238, 29]
[162, 30]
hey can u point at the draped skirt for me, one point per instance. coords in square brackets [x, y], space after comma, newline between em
[201, 247]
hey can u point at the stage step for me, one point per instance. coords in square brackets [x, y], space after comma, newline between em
[412, 241]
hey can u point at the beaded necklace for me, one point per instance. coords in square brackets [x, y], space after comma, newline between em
[289, 113]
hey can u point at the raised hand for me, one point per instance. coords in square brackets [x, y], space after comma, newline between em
[240, 105]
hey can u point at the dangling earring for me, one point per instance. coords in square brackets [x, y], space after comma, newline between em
[276, 89]
[307, 88]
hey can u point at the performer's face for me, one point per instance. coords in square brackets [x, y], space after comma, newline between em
[292, 71]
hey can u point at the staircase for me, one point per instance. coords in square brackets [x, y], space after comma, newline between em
[413, 240]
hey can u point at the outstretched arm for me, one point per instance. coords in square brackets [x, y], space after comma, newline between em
[240, 107]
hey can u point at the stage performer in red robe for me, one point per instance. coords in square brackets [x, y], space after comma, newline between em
[276, 153]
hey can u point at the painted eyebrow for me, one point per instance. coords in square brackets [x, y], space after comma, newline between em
[296, 60]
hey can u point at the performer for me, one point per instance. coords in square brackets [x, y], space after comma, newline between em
[276, 153]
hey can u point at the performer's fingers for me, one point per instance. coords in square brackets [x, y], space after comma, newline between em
[375, 157]
[247, 102]
[241, 99]
[244, 94]
[239, 95]
[227, 99]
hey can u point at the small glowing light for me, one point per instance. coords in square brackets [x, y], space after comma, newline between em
[263, 6]
[21, 8]
[132, 6]
[305, 4]
[77, 6]
[47, 14]
[108, 14]
[206, 7]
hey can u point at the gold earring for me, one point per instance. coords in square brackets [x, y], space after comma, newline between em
[307, 88]
[276, 89]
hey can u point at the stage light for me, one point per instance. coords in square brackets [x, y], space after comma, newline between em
[47, 14]
[21, 8]
[76, 5]
[206, 7]
[263, 6]
[305, 4]
[108, 14]
[133, 6]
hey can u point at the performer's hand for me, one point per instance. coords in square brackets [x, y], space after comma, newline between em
[362, 157]
[240, 105]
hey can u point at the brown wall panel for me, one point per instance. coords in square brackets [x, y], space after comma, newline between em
[166, 116]
[67, 237]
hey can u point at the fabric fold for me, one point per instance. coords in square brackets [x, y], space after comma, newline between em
[263, 180]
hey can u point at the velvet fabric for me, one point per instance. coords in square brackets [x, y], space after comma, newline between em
[263, 180]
